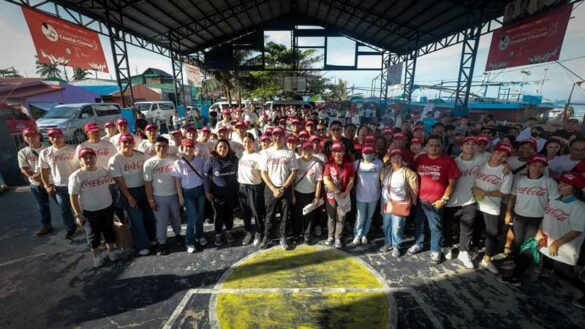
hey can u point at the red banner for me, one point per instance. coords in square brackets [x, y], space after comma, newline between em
[60, 42]
[534, 40]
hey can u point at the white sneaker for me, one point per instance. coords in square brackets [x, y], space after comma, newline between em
[448, 253]
[97, 261]
[435, 257]
[466, 260]
[144, 252]
[329, 241]
[190, 249]
[202, 241]
[489, 265]
[356, 241]
[414, 249]
[364, 240]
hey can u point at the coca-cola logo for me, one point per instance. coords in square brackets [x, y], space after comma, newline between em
[135, 165]
[163, 169]
[248, 163]
[492, 179]
[279, 161]
[557, 214]
[102, 152]
[61, 157]
[532, 190]
[473, 171]
[95, 182]
[434, 171]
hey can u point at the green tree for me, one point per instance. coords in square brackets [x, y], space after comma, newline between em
[47, 70]
[79, 74]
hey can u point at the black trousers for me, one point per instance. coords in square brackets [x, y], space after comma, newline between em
[461, 220]
[283, 203]
[492, 229]
[525, 228]
[99, 223]
[251, 198]
[223, 206]
[303, 224]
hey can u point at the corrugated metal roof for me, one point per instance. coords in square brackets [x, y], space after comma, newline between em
[395, 25]
[102, 90]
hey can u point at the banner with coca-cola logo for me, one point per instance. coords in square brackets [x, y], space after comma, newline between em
[534, 40]
[62, 43]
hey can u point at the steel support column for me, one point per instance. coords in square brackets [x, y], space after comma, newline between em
[119, 53]
[177, 64]
[466, 66]
[409, 71]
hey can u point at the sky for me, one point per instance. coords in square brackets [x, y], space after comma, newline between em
[18, 52]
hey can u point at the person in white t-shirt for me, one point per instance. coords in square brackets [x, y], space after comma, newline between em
[307, 189]
[57, 163]
[110, 130]
[482, 153]
[567, 162]
[251, 193]
[103, 149]
[89, 188]
[367, 191]
[191, 188]
[237, 137]
[530, 194]
[265, 144]
[126, 168]
[461, 207]
[225, 122]
[123, 128]
[28, 162]
[279, 167]
[201, 149]
[562, 235]
[147, 146]
[162, 194]
[491, 185]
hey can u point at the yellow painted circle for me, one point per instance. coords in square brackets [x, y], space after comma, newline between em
[306, 287]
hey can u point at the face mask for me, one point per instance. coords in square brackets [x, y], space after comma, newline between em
[369, 157]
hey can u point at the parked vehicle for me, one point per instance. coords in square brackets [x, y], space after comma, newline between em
[71, 117]
[272, 105]
[15, 119]
[153, 111]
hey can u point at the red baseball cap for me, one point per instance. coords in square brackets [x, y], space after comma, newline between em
[239, 110]
[177, 132]
[264, 138]
[122, 121]
[109, 124]
[29, 132]
[314, 138]
[282, 120]
[307, 145]
[398, 136]
[417, 140]
[538, 158]
[54, 131]
[337, 146]
[469, 139]
[368, 149]
[187, 143]
[504, 148]
[277, 131]
[394, 151]
[292, 139]
[222, 128]
[240, 124]
[528, 141]
[206, 129]
[84, 151]
[304, 133]
[91, 127]
[387, 131]
[225, 111]
[369, 139]
[309, 123]
[268, 130]
[295, 121]
[190, 129]
[482, 139]
[573, 178]
[150, 126]
[127, 138]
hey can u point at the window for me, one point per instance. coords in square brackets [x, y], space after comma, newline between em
[86, 112]
[106, 109]
[166, 106]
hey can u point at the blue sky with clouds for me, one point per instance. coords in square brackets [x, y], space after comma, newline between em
[18, 51]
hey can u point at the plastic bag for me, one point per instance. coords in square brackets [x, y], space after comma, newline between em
[532, 246]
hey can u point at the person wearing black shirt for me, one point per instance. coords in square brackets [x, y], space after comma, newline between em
[335, 130]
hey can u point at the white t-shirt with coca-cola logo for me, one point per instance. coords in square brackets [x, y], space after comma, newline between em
[159, 172]
[561, 218]
[116, 139]
[147, 148]
[93, 188]
[237, 148]
[493, 179]
[249, 169]
[28, 159]
[279, 164]
[309, 174]
[463, 196]
[104, 151]
[532, 195]
[130, 168]
[62, 162]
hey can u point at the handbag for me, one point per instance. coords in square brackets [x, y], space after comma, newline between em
[398, 208]
[123, 234]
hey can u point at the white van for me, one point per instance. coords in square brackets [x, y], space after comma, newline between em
[156, 110]
[272, 105]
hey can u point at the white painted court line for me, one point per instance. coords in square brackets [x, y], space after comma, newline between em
[10, 262]
[179, 309]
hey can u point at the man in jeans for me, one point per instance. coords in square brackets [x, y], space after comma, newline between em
[278, 169]
[58, 162]
[28, 159]
[439, 174]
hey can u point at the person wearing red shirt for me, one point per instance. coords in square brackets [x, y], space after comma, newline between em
[438, 176]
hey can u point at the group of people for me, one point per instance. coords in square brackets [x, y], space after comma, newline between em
[455, 181]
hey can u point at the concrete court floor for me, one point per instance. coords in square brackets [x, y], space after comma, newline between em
[48, 282]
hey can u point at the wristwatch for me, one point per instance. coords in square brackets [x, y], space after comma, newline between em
[445, 199]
